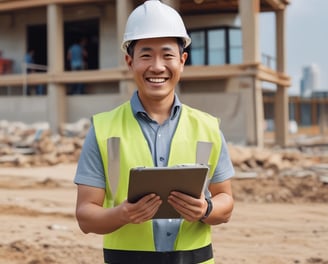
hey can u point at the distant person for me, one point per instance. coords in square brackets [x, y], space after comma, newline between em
[77, 57]
[29, 61]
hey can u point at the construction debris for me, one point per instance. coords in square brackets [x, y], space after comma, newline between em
[23, 145]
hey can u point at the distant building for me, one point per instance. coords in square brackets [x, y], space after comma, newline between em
[310, 80]
[223, 76]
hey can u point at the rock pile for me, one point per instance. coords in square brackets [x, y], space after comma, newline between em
[297, 174]
[293, 175]
[254, 159]
[25, 145]
[301, 161]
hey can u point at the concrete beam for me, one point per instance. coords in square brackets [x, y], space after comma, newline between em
[23, 4]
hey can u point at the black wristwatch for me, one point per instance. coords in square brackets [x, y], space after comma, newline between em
[209, 208]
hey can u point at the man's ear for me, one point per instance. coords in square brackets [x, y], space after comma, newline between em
[183, 60]
[128, 60]
[184, 57]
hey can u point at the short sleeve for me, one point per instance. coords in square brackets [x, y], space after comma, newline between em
[224, 169]
[90, 170]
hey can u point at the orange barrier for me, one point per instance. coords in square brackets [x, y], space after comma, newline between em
[5, 66]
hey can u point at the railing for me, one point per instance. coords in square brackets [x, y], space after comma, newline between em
[118, 74]
[269, 61]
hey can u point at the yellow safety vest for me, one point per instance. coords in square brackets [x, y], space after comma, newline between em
[194, 126]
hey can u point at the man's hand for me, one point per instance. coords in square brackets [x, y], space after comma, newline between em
[141, 211]
[190, 208]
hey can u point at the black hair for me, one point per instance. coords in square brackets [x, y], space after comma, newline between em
[130, 48]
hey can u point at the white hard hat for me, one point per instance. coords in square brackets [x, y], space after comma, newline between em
[154, 19]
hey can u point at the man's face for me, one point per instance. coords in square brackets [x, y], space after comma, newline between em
[156, 66]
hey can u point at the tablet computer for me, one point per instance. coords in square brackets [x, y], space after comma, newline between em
[189, 179]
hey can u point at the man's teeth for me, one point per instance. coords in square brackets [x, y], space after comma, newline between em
[157, 80]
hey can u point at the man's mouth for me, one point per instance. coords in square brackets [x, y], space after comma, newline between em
[156, 80]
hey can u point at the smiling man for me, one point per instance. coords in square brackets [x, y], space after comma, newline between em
[154, 130]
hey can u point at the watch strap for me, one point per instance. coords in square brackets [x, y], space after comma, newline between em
[209, 208]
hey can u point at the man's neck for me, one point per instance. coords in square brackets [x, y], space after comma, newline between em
[159, 110]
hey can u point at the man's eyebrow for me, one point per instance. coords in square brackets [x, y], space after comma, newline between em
[165, 48]
[143, 49]
[168, 48]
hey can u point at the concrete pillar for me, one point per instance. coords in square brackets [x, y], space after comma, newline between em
[123, 10]
[281, 99]
[259, 113]
[251, 94]
[249, 14]
[56, 92]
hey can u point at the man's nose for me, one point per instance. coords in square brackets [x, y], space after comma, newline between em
[158, 65]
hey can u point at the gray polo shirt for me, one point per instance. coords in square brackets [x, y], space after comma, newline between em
[90, 169]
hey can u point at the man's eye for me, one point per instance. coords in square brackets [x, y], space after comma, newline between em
[169, 55]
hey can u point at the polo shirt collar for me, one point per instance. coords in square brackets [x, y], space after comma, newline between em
[138, 109]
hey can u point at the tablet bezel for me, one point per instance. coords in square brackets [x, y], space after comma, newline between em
[189, 179]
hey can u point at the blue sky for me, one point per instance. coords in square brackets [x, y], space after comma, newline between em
[307, 39]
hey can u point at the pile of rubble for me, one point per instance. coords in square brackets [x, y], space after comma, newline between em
[253, 159]
[298, 174]
[300, 160]
[24, 145]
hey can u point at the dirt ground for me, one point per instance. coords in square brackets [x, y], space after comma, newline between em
[275, 221]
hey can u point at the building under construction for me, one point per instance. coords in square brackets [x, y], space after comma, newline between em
[224, 74]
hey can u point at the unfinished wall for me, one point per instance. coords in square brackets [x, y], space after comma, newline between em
[215, 98]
